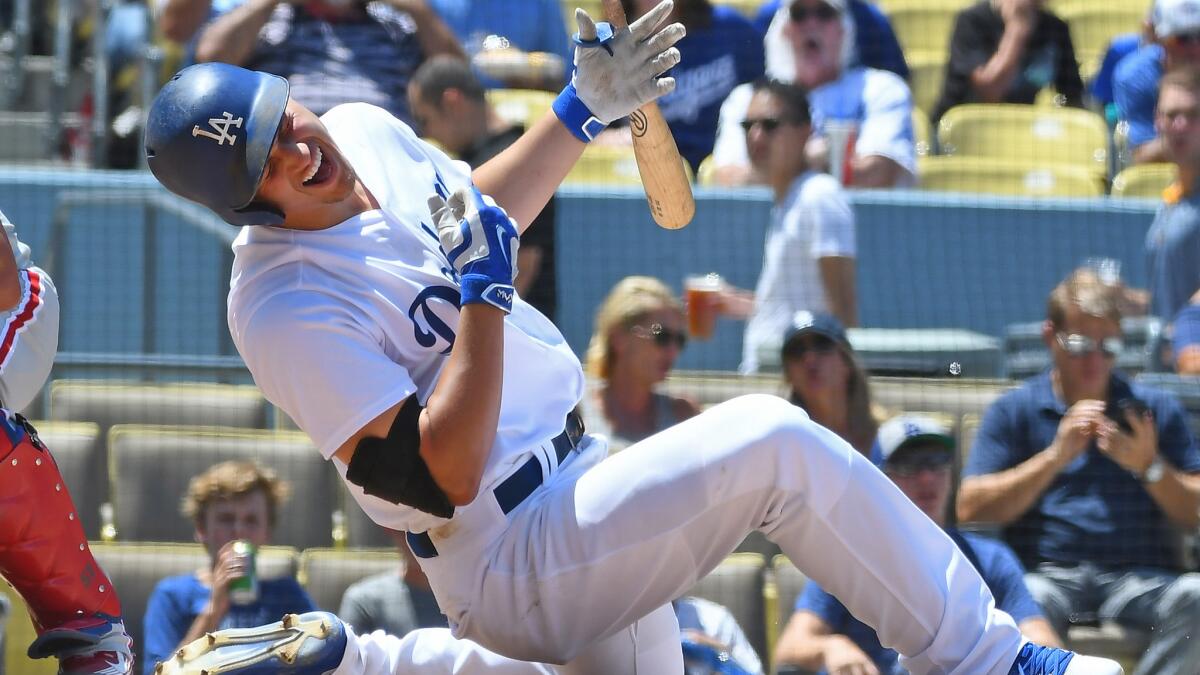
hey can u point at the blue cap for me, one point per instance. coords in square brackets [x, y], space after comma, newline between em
[805, 322]
[209, 134]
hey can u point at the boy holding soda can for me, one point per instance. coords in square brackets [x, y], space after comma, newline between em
[234, 507]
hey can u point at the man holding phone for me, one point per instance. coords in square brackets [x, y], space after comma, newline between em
[1091, 477]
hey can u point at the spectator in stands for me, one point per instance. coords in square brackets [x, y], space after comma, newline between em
[640, 330]
[720, 51]
[394, 602]
[1006, 51]
[231, 501]
[1090, 475]
[1136, 81]
[521, 44]
[864, 111]
[875, 42]
[448, 105]
[332, 51]
[824, 377]
[809, 257]
[1173, 240]
[713, 642]
[917, 453]
[1101, 86]
[1185, 339]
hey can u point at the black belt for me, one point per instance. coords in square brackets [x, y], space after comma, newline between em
[517, 487]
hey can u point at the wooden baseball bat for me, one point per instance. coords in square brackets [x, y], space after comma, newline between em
[668, 190]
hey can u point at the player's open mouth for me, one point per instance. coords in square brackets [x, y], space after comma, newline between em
[320, 171]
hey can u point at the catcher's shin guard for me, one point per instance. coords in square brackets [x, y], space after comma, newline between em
[43, 552]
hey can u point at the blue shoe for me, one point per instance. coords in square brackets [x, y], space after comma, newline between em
[95, 645]
[1034, 659]
[308, 644]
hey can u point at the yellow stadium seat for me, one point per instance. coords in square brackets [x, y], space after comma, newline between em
[923, 26]
[922, 133]
[706, 174]
[1094, 23]
[594, 8]
[1037, 134]
[520, 106]
[926, 72]
[609, 165]
[1007, 177]
[19, 632]
[1144, 180]
[605, 165]
[747, 8]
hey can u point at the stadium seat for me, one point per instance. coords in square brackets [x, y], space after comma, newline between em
[925, 75]
[135, 569]
[360, 531]
[1144, 180]
[520, 106]
[1186, 388]
[789, 582]
[109, 402]
[1036, 135]
[1007, 177]
[953, 397]
[923, 26]
[1094, 23]
[706, 174]
[78, 449]
[747, 8]
[605, 166]
[326, 573]
[738, 583]
[18, 633]
[150, 467]
[922, 132]
[594, 8]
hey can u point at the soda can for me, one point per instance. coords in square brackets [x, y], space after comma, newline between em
[244, 589]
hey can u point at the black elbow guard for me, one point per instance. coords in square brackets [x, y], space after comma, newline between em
[392, 468]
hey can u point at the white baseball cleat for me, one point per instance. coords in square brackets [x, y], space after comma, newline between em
[305, 644]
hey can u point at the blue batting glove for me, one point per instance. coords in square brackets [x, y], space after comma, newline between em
[481, 243]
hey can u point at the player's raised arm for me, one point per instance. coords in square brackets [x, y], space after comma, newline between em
[615, 75]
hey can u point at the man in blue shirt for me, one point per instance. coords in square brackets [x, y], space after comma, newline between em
[229, 502]
[917, 453]
[1136, 79]
[1090, 475]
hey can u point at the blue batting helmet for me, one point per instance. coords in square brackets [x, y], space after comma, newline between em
[209, 134]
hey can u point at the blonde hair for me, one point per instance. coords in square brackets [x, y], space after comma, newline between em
[1085, 290]
[234, 478]
[629, 300]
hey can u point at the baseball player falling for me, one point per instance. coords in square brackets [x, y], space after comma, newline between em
[372, 300]
[43, 550]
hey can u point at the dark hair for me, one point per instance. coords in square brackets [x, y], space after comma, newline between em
[793, 98]
[1184, 77]
[444, 72]
[692, 13]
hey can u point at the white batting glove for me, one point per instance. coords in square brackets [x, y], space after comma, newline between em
[614, 85]
[481, 242]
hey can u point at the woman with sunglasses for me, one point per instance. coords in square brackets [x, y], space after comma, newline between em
[825, 378]
[640, 331]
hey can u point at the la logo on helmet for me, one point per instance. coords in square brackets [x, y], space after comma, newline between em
[220, 126]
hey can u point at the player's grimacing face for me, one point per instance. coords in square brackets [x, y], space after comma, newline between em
[305, 171]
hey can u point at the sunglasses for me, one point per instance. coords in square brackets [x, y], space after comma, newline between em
[1082, 345]
[768, 124]
[823, 12]
[1187, 39]
[663, 337]
[914, 462]
[817, 344]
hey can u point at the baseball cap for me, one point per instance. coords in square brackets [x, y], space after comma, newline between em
[805, 322]
[904, 430]
[839, 5]
[1176, 17]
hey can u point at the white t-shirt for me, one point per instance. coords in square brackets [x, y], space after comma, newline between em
[813, 221]
[340, 324]
[877, 101]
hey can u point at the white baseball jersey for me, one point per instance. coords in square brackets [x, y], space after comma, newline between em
[340, 324]
[28, 332]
